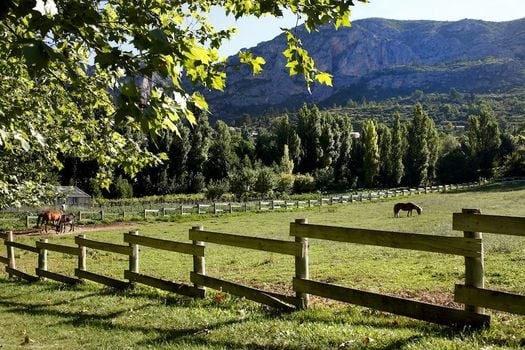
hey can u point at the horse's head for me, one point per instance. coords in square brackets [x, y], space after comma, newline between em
[419, 210]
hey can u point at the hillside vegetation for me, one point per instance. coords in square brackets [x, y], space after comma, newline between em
[376, 59]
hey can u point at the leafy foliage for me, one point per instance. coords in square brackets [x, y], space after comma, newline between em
[63, 66]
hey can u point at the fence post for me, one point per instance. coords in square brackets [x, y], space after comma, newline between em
[214, 208]
[260, 205]
[27, 221]
[101, 215]
[82, 256]
[230, 207]
[42, 258]
[134, 257]
[10, 253]
[79, 216]
[199, 262]
[474, 267]
[245, 207]
[301, 265]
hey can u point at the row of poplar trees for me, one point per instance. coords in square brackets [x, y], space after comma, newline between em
[322, 149]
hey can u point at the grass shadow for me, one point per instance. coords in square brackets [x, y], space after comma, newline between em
[507, 186]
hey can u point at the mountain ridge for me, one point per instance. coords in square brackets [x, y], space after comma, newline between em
[381, 58]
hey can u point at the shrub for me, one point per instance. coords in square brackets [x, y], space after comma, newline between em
[285, 183]
[304, 183]
[216, 189]
[122, 188]
[324, 178]
[242, 182]
[265, 182]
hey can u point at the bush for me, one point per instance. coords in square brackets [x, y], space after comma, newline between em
[216, 189]
[242, 182]
[324, 178]
[304, 183]
[265, 182]
[285, 183]
[122, 188]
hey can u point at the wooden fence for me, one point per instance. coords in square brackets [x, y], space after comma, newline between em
[298, 250]
[261, 205]
[469, 247]
[472, 293]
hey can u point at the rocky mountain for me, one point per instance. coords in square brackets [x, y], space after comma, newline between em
[381, 58]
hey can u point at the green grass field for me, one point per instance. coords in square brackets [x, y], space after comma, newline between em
[49, 315]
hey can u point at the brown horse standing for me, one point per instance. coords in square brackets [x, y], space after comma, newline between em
[407, 207]
[49, 216]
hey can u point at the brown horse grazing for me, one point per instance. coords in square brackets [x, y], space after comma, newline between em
[67, 219]
[407, 207]
[49, 216]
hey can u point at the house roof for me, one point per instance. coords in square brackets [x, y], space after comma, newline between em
[71, 191]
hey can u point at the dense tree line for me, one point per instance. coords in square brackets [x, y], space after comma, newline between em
[321, 150]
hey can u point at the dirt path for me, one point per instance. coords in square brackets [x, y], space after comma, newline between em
[78, 229]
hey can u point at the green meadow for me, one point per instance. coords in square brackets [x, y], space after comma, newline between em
[50, 315]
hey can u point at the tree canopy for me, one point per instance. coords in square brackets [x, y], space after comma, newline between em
[90, 78]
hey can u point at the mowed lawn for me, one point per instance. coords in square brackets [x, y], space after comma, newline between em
[50, 315]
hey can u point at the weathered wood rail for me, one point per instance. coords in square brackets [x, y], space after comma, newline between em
[134, 276]
[197, 234]
[473, 223]
[469, 247]
[472, 293]
[82, 272]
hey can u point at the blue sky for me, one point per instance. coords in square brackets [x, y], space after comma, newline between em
[253, 30]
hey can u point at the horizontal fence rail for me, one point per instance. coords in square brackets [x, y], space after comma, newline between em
[413, 241]
[21, 246]
[264, 244]
[473, 293]
[470, 248]
[506, 225]
[134, 276]
[254, 294]
[82, 273]
[399, 306]
[163, 244]
[58, 248]
[104, 246]
[490, 298]
[42, 271]
[170, 286]
[199, 236]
